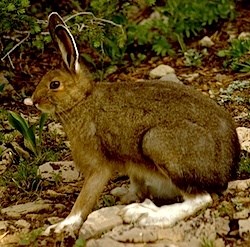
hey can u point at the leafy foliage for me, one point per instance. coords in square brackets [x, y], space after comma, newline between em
[28, 132]
[237, 55]
[115, 29]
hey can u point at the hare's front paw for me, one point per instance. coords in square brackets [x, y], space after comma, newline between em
[70, 225]
[147, 213]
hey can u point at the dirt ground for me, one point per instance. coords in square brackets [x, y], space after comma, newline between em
[210, 77]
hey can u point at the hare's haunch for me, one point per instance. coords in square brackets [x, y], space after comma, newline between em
[168, 138]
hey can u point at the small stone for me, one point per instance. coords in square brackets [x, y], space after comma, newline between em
[64, 171]
[104, 242]
[101, 221]
[28, 101]
[219, 242]
[161, 71]
[17, 211]
[222, 226]
[53, 220]
[244, 227]
[3, 226]
[119, 191]
[240, 185]
[136, 235]
[22, 224]
[191, 77]
[170, 77]
[242, 214]
[244, 138]
[206, 42]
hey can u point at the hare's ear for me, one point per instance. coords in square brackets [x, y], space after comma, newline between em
[64, 40]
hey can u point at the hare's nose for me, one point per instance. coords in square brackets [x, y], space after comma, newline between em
[28, 101]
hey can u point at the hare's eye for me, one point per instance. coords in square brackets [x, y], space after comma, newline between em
[54, 85]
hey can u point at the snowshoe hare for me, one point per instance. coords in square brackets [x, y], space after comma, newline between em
[168, 138]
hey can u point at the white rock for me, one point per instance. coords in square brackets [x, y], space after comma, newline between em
[170, 77]
[240, 185]
[104, 242]
[244, 138]
[242, 214]
[244, 227]
[161, 71]
[17, 211]
[206, 42]
[3, 226]
[22, 224]
[136, 235]
[100, 221]
[191, 77]
[62, 170]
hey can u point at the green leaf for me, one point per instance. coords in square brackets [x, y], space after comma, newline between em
[42, 121]
[18, 123]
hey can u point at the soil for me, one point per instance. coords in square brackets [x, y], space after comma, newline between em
[30, 67]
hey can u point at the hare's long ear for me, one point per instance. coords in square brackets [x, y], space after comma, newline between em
[64, 40]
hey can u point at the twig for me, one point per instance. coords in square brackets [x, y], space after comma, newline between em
[94, 17]
[15, 46]
[11, 63]
[3, 235]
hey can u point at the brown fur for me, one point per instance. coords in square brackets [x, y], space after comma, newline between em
[162, 134]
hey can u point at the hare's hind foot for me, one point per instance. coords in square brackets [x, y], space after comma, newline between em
[148, 214]
[70, 225]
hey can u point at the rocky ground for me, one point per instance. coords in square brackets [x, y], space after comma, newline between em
[28, 207]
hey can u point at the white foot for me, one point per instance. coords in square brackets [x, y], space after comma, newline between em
[69, 224]
[147, 213]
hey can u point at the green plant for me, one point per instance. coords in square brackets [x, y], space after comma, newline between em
[28, 132]
[80, 242]
[237, 55]
[234, 92]
[244, 166]
[29, 239]
[26, 177]
[192, 58]
[207, 243]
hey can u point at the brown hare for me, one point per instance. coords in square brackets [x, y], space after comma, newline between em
[168, 138]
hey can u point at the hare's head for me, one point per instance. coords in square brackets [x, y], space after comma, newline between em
[61, 89]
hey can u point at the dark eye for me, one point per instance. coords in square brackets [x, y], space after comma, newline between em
[54, 85]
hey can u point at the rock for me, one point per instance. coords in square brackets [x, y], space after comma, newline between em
[191, 77]
[22, 224]
[101, 221]
[3, 226]
[242, 214]
[62, 170]
[53, 220]
[161, 71]
[240, 185]
[170, 77]
[244, 227]
[104, 242]
[206, 42]
[222, 226]
[20, 151]
[219, 242]
[7, 157]
[17, 211]
[8, 90]
[244, 138]
[134, 234]
[56, 128]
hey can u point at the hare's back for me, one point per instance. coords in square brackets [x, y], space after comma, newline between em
[154, 102]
